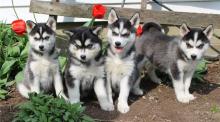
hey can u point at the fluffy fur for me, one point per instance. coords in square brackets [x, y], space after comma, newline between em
[120, 62]
[42, 72]
[177, 56]
[85, 68]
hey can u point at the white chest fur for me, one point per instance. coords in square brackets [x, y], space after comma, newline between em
[86, 75]
[118, 68]
[81, 72]
[186, 66]
[44, 69]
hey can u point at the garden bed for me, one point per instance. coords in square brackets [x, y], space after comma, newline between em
[158, 104]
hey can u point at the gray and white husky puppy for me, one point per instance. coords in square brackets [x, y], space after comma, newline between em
[120, 61]
[177, 56]
[85, 68]
[42, 71]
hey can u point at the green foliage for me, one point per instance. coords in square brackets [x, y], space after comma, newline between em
[13, 55]
[46, 108]
[215, 109]
[200, 70]
[62, 62]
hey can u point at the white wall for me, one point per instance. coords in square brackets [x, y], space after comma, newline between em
[22, 8]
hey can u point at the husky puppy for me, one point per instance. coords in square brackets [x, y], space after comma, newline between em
[176, 56]
[85, 68]
[42, 71]
[120, 62]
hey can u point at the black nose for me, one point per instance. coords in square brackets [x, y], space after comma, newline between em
[41, 47]
[193, 57]
[117, 44]
[83, 57]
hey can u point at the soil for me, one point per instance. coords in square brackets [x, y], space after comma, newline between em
[157, 105]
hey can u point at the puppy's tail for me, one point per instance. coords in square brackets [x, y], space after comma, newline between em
[152, 26]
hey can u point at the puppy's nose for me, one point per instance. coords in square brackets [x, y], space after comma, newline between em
[117, 44]
[83, 57]
[41, 47]
[193, 57]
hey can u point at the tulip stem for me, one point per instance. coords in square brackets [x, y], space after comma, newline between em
[12, 2]
[34, 17]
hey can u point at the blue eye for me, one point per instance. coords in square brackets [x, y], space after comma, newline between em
[90, 46]
[46, 38]
[188, 45]
[114, 33]
[200, 46]
[126, 34]
[36, 39]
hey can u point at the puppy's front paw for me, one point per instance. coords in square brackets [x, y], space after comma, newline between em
[63, 96]
[183, 99]
[72, 101]
[190, 97]
[157, 80]
[137, 91]
[107, 107]
[123, 107]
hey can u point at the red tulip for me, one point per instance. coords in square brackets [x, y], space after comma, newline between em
[19, 26]
[139, 31]
[98, 11]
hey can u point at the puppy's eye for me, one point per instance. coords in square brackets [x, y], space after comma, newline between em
[126, 34]
[77, 46]
[90, 46]
[37, 39]
[200, 46]
[114, 33]
[188, 45]
[46, 38]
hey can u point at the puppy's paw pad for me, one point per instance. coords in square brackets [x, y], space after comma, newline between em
[123, 108]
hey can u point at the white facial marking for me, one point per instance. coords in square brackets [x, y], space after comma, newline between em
[45, 35]
[78, 42]
[37, 35]
[124, 31]
[121, 26]
[191, 42]
[116, 30]
[40, 29]
[87, 42]
[195, 36]
[199, 42]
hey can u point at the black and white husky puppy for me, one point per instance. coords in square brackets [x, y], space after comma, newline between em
[177, 56]
[120, 61]
[85, 68]
[42, 71]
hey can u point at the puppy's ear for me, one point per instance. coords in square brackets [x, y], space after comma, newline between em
[30, 25]
[208, 31]
[97, 30]
[69, 33]
[135, 20]
[112, 17]
[184, 29]
[51, 22]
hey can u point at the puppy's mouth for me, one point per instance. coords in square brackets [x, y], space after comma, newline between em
[119, 49]
[41, 50]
